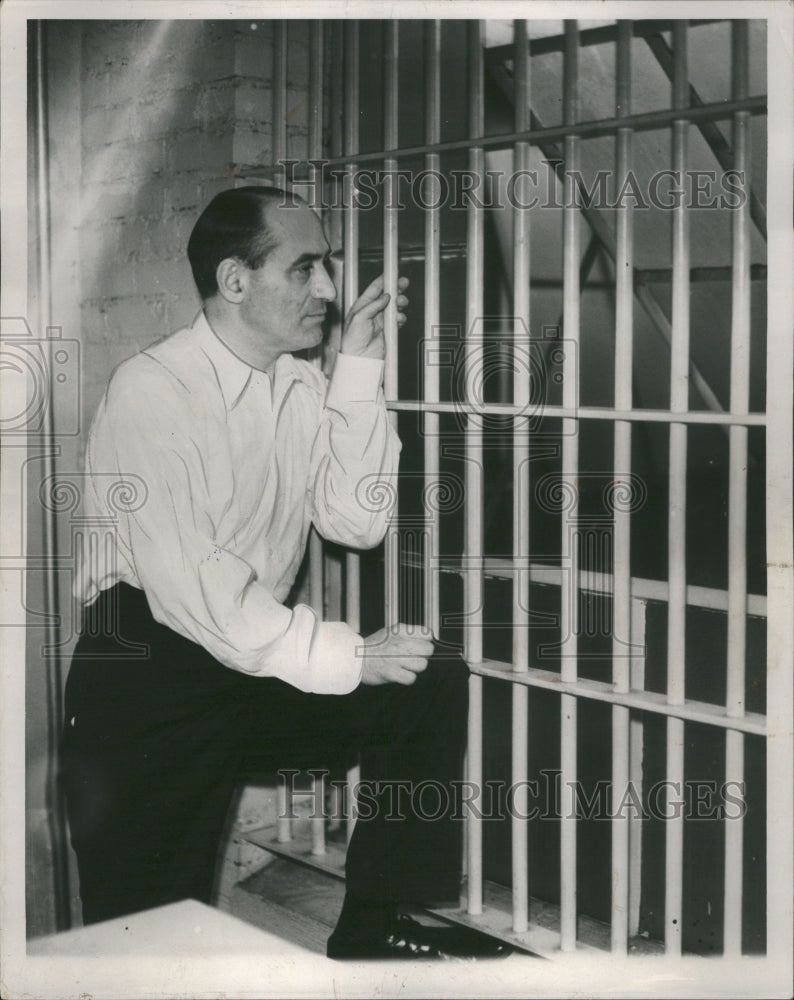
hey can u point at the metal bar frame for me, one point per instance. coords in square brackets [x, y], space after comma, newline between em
[474, 473]
[521, 493]
[626, 692]
[621, 559]
[350, 293]
[737, 500]
[392, 566]
[432, 316]
[676, 608]
[569, 526]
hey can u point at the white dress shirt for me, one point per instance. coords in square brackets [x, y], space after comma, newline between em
[234, 471]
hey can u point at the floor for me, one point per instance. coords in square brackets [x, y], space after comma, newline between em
[302, 895]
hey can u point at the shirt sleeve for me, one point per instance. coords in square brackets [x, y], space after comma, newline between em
[356, 456]
[194, 586]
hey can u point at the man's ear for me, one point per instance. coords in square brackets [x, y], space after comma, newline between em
[231, 279]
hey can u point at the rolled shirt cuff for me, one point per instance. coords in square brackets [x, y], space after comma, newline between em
[355, 380]
[335, 662]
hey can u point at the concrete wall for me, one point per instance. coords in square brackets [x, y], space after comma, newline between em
[147, 120]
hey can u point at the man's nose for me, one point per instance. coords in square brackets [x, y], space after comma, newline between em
[324, 288]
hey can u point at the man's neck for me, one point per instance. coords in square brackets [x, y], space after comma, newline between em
[226, 328]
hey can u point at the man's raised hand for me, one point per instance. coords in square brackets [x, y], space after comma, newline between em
[363, 330]
[394, 656]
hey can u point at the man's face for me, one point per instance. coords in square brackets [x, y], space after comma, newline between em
[284, 305]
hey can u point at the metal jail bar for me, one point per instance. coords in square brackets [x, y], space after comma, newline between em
[521, 485]
[679, 402]
[351, 240]
[315, 148]
[430, 421]
[737, 499]
[390, 275]
[473, 538]
[279, 146]
[569, 595]
[280, 95]
[621, 595]
[626, 692]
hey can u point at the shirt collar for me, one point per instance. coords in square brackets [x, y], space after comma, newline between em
[232, 373]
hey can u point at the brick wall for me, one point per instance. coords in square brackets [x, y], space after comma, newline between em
[171, 112]
[147, 120]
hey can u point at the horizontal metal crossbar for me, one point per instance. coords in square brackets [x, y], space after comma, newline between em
[458, 250]
[642, 122]
[646, 701]
[582, 412]
[642, 589]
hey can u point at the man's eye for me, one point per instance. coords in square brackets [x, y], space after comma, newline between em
[304, 270]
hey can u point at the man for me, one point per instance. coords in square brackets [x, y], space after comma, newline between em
[235, 448]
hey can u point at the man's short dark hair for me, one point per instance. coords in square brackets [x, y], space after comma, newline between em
[234, 224]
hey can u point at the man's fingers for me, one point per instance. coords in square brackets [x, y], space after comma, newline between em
[412, 645]
[371, 308]
[402, 676]
[373, 290]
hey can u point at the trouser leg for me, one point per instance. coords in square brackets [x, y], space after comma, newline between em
[149, 760]
[406, 844]
[157, 748]
[146, 815]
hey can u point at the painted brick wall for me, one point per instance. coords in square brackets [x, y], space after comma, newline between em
[147, 120]
[172, 113]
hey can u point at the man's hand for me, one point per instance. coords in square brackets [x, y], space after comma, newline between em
[363, 331]
[394, 656]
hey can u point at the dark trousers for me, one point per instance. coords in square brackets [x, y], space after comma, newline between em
[154, 746]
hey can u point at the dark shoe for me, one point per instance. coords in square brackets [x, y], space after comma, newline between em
[407, 938]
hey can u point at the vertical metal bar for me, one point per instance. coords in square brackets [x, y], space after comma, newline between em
[521, 395]
[473, 542]
[569, 594]
[679, 403]
[284, 807]
[318, 814]
[316, 67]
[392, 566]
[315, 140]
[333, 584]
[337, 109]
[737, 517]
[636, 739]
[315, 147]
[621, 570]
[279, 94]
[352, 560]
[56, 813]
[779, 521]
[353, 781]
[431, 423]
